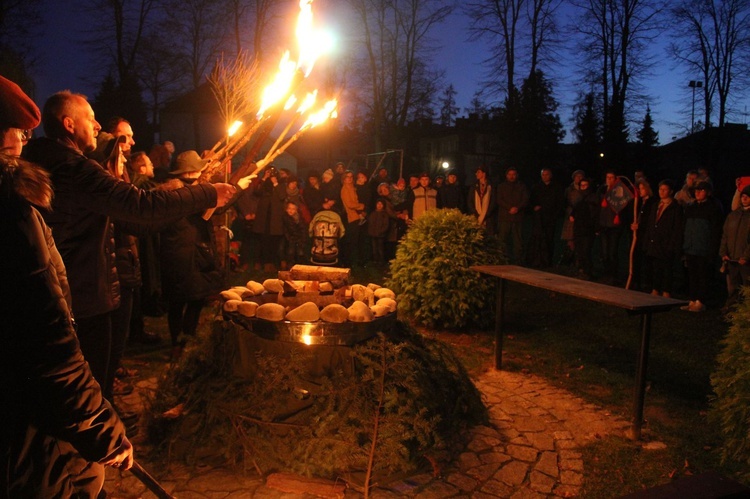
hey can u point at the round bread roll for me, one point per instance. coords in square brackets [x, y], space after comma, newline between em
[325, 287]
[360, 312]
[232, 305]
[384, 293]
[242, 291]
[247, 308]
[307, 312]
[390, 303]
[379, 310]
[334, 313]
[270, 312]
[230, 295]
[256, 287]
[359, 292]
[374, 286]
[273, 285]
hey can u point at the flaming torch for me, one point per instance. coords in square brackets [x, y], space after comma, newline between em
[276, 98]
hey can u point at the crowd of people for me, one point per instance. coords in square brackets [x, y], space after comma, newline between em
[583, 226]
[97, 234]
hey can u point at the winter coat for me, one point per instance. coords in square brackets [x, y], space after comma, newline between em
[451, 196]
[127, 258]
[86, 196]
[551, 198]
[425, 199]
[295, 229]
[510, 194]
[585, 214]
[189, 270]
[49, 401]
[378, 223]
[664, 236]
[270, 210]
[313, 199]
[350, 201]
[702, 229]
[735, 237]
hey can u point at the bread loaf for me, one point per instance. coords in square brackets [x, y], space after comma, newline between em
[307, 312]
[247, 308]
[334, 313]
[379, 310]
[231, 305]
[270, 312]
[256, 287]
[273, 285]
[390, 303]
[384, 293]
[360, 312]
[230, 295]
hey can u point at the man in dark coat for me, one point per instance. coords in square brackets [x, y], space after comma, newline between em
[450, 194]
[56, 430]
[664, 232]
[547, 204]
[86, 196]
[512, 201]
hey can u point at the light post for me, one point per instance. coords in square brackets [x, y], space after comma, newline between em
[694, 84]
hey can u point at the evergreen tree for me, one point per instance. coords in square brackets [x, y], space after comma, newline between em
[477, 106]
[588, 133]
[647, 154]
[126, 100]
[647, 136]
[531, 127]
[448, 108]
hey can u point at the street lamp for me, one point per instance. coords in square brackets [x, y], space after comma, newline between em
[694, 84]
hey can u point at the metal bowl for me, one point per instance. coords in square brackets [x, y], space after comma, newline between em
[314, 333]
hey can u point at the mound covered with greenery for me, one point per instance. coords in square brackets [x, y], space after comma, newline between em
[431, 275]
[731, 384]
[406, 399]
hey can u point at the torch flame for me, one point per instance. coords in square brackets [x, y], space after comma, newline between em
[290, 102]
[308, 102]
[233, 129]
[280, 86]
[319, 117]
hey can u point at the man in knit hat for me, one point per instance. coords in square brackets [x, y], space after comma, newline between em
[57, 430]
[735, 250]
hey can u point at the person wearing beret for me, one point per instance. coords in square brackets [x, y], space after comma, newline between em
[56, 430]
[87, 199]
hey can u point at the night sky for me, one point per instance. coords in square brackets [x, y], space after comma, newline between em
[62, 64]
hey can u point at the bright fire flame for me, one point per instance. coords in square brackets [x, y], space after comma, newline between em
[233, 129]
[280, 86]
[319, 117]
[308, 102]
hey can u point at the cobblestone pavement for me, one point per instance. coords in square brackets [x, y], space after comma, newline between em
[530, 449]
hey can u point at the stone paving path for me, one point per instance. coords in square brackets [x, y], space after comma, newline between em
[528, 450]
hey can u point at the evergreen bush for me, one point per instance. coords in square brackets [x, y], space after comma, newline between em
[431, 275]
[731, 383]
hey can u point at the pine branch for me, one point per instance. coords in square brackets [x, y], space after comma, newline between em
[381, 396]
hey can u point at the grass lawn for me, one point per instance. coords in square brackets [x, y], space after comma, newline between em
[591, 350]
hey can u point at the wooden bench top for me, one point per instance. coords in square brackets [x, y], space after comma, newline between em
[635, 301]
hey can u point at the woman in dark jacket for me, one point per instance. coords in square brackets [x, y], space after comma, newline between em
[269, 217]
[57, 430]
[664, 231]
[583, 218]
[190, 272]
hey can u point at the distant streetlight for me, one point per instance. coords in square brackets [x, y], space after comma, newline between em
[445, 165]
[694, 84]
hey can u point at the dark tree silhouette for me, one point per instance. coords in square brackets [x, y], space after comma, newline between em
[448, 108]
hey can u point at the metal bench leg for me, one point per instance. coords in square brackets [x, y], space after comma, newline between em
[640, 378]
[499, 315]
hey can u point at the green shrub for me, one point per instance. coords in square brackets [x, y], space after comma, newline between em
[731, 383]
[431, 275]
